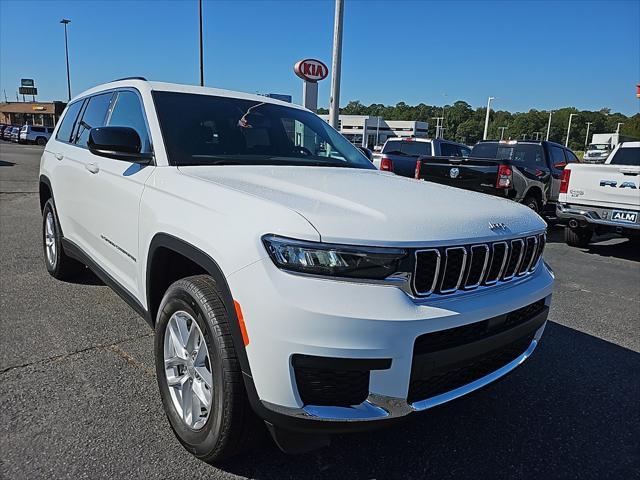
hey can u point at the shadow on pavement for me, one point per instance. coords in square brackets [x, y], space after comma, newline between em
[571, 411]
[86, 277]
[6, 164]
[622, 248]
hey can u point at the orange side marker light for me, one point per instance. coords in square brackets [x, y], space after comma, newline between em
[243, 327]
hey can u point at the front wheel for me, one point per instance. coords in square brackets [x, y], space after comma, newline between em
[198, 371]
[41, 141]
[532, 203]
[577, 237]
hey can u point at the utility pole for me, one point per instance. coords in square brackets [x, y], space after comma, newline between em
[486, 119]
[537, 134]
[336, 65]
[66, 22]
[549, 125]
[201, 55]
[586, 138]
[566, 143]
[502, 129]
[618, 127]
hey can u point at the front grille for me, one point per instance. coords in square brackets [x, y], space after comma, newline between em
[449, 269]
[421, 388]
[429, 379]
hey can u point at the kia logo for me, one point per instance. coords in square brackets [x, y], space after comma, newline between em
[311, 70]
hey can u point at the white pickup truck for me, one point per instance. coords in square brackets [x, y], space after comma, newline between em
[602, 198]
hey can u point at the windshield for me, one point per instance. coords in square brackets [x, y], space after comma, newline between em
[407, 147]
[627, 156]
[599, 146]
[210, 130]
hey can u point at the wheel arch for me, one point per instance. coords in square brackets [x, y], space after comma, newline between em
[163, 242]
[45, 191]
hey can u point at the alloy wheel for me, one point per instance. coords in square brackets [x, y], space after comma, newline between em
[188, 370]
[51, 248]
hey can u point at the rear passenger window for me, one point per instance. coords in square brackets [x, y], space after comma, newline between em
[94, 116]
[571, 157]
[448, 150]
[68, 122]
[558, 161]
[127, 112]
[38, 129]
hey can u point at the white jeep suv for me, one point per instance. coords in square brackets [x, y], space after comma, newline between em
[286, 278]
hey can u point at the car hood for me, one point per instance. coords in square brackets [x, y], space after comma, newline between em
[370, 207]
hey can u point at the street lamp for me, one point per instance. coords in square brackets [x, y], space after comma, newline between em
[549, 125]
[336, 65]
[502, 129]
[618, 127]
[586, 137]
[566, 143]
[201, 59]
[486, 119]
[65, 22]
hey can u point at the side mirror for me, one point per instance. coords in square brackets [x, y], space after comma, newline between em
[365, 151]
[120, 143]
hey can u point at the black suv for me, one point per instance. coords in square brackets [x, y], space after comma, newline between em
[524, 171]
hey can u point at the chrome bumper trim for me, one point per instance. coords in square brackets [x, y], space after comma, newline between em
[592, 217]
[378, 407]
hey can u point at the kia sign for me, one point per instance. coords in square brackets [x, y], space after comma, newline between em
[311, 70]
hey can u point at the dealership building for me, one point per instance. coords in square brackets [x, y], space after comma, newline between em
[368, 131]
[31, 113]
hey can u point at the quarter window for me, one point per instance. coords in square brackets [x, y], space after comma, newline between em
[94, 116]
[68, 122]
[127, 112]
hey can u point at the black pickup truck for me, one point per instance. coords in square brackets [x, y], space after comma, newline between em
[528, 172]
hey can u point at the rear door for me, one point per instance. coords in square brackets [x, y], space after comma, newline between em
[116, 191]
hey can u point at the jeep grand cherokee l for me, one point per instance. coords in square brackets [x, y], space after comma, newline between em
[284, 275]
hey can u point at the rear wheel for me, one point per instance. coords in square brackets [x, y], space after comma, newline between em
[532, 202]
[58, 263]
[41, 141]
[578, 237]
[198, 371]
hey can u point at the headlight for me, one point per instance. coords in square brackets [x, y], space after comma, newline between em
[374, 263]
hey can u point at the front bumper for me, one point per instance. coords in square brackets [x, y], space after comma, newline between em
[587, 215]
[288, 315]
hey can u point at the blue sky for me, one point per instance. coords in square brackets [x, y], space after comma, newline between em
[528, 54]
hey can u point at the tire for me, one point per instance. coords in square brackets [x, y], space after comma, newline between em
[58, 263]
[577, 237]
[532, 202]
[225, 428]
[41, 141]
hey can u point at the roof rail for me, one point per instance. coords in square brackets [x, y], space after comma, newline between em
[129, 78]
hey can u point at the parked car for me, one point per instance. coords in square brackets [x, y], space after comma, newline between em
[527, 172]
[602, 198]
[35, 134]
[399, 155]
[15, 134]
[6, 132]
[277, 284]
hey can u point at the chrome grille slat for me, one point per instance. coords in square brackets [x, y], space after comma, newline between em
[436, 273]
[445, 270]
[474, 248]
[433, 266]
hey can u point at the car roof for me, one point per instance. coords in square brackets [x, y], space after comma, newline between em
[630, 145]
[145, 85]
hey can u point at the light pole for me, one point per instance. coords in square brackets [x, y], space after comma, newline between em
[549, 125]
[566, 143]
[502, 129]
[65, 22]
[586, 137]
[336, 65]
[486, 119]
[618, 127]
[201, 56]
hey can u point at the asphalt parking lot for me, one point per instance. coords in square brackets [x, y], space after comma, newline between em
[79, 398]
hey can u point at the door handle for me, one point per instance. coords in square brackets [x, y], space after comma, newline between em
[59, 156]
[92, 167]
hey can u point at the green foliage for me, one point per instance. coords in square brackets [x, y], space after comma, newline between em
[464, 124]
